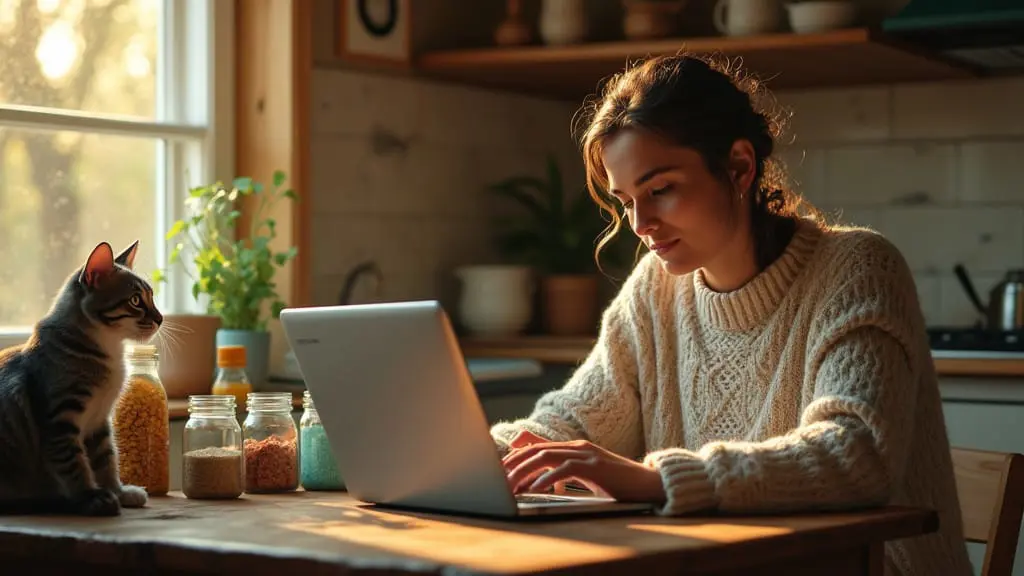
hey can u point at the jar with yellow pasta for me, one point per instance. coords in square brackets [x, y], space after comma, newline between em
[140, 424]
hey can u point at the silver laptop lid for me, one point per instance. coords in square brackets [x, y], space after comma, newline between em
[399, 406]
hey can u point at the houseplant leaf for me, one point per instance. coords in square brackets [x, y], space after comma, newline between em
[236, 275]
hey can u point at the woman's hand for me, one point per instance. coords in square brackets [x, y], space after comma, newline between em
[526, 438]
[534, 464]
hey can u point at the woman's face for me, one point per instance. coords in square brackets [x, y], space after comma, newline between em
[676, 206]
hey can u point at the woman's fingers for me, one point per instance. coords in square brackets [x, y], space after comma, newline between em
[571, 468]
[517, 456]
[526, 469]
[525, 438]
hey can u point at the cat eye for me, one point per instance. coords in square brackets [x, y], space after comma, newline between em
[135, 300]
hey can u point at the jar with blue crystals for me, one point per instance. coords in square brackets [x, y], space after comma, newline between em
[318, 469]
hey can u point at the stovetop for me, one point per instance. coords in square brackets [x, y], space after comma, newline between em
[975, 339]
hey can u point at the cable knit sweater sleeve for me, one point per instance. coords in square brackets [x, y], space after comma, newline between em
[607, 377]
[853, 436]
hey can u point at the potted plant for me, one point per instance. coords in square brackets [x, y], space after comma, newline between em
[235, 275]
[557, 239]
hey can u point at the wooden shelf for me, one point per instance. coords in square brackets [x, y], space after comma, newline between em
[855, 56]
[551, 349]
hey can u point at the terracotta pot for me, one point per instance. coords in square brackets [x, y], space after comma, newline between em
[570, 304]
[646, 19]
[188, 353]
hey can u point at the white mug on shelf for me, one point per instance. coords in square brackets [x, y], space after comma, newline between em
[747, 17]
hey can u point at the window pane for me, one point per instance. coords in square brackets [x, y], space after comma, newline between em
[89, 55]
[61, 193]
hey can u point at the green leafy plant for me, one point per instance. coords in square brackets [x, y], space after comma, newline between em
[236, 274]
[560, 234]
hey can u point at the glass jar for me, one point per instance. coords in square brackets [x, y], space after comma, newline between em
[270, 446]
[318, 468]
[140, 424]
[212, 463]
[231, 376]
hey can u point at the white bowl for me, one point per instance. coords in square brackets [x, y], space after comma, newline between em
[811, 17]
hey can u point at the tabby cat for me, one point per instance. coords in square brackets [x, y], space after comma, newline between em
[57, 392]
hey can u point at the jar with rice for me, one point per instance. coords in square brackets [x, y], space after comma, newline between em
[212, 461]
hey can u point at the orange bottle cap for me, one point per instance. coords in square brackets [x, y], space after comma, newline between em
[231, 356]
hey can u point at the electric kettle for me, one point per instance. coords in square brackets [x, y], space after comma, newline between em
[1005, 309]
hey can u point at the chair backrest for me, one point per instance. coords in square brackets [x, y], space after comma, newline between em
[990, 486]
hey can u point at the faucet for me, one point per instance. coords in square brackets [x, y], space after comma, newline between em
[367, 267]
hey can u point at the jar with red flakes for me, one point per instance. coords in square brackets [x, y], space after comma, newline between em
[271, 444]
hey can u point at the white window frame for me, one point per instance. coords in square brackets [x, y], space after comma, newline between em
[194, 119]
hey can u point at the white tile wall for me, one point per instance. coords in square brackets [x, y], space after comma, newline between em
[958, 110]
[934, 167]
[399, 168]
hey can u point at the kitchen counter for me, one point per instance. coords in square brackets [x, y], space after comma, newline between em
[331, 533]
[481, 370]
[978, 363]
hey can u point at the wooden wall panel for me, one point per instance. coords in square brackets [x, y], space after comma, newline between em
[273, 47]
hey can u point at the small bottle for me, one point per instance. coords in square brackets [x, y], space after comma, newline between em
[140, 424]
[318, 468]
[271, 443]
[212, 464]
[231, 377]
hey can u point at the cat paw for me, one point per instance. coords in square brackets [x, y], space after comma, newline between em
[133, 496]
[98, 502]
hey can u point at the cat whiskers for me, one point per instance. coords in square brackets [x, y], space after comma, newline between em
[169, 336]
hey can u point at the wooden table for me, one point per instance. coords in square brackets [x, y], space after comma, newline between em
[307, 534]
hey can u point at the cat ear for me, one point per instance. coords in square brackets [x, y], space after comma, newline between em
[127, 258]
[99, 264]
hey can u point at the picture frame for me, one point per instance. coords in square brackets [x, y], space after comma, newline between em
[375, 32]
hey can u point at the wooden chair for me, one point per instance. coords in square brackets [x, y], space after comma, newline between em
[990, 486]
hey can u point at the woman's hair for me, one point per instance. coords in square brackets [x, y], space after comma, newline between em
[695, 102]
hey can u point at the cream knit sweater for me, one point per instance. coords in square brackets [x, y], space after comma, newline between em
[810, 388]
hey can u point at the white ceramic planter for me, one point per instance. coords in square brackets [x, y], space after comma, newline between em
[821, 16]
[495, 300]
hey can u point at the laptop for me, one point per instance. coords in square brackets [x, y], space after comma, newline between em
[402, 415]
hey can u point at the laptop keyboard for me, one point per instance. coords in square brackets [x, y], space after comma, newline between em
[540, 498]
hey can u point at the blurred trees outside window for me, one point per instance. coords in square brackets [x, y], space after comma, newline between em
[88, 135]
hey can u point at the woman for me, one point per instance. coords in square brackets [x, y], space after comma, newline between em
[755, 360]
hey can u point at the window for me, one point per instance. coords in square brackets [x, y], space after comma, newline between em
[108, 113]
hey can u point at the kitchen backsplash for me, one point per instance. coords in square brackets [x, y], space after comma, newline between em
[934, 167]
[399, 167]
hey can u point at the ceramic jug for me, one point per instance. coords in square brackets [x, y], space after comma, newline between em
[563, 21]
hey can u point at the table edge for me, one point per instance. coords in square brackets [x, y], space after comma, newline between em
[20, 542]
